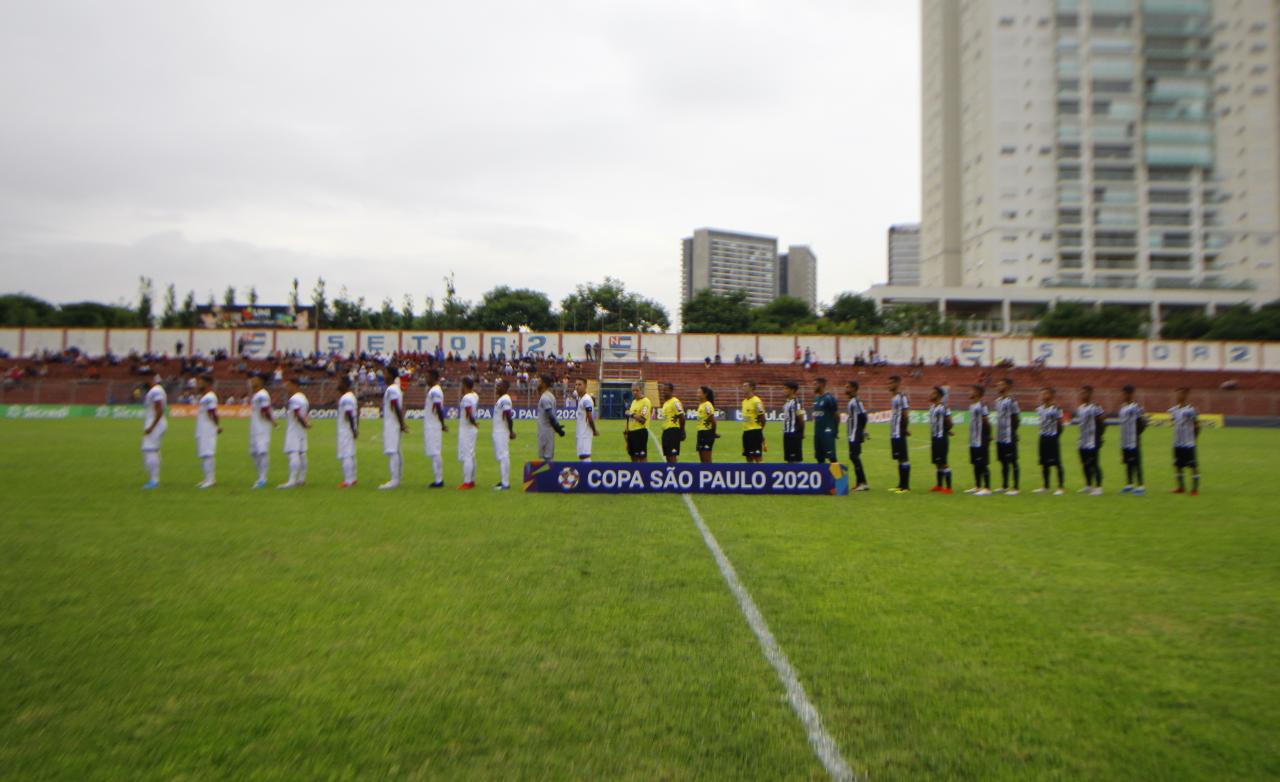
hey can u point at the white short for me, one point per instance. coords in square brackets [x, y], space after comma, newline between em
[260, 445]
[207, 446]
[501, 445]
[295, 444]
[346, 447]
[584, 445]
[433, 441]
[467, 444]
[151, 442]
[391, 441]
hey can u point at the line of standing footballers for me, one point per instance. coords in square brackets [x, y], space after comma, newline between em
[1089, 417]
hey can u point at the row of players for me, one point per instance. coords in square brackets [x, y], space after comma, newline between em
[1089, 416]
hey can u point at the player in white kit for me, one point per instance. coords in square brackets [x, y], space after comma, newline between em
[207, 430]
[468, 431]
[156, 405]
[434, 427]
[261, 422]
[504, 431]
[298, 411]
[393, 425]
[348, 432]
[585, 426]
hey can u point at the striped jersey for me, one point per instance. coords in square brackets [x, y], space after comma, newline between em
[1006, 412]
[1130, 415]
[791, 416]
[898, 415]
[1184, 426]
[938, 420]
[1089, 419]
[977, 424]
[1050, 420]
[856, 410]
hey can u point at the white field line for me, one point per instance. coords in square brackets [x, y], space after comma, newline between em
[824, 746]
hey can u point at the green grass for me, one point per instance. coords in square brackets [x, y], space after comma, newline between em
[323, 634]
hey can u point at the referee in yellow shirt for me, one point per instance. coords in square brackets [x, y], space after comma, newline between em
[637, 428]
[752, 423]
[673, 422]
[707, 435]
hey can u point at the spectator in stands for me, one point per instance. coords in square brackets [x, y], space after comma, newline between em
[718, 361]
[706, 362]
[587, 347]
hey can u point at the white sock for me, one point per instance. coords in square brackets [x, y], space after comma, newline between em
[437, 466]
[349, 469]
[469, 470]
[207, 464]
[504, 469]
[302, 467]
[263, 461]
[396, 464]
[294, 468]
[151, 460]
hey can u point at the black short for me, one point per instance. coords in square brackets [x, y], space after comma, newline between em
[1131, 455]
[1088, 455]
[1050, 451]
[638, 443]
[1185, 457]
[898, 448]
[824, 448]
[793, 447]
[939, 448]
[706, 441]
[670, 442]
[855, 449]
[979, 455]
[753, 443]
[1007, 452]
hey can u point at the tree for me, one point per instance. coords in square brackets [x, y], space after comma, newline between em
[1186, 325]
[387, 317]
[294, 301]
[319, 302]
[188, 317]
[918, 319]
[253, 296]
[170, 317]
[783, 314]
[348, 313]
[19, 309]
[716, 313]
[229, 298]
[1243, 323]
[407, 318]
[610, 307]
[91, 314]
[146, 294]
[507, 308]
[455, 313]
[1073, 319]
[855, 310]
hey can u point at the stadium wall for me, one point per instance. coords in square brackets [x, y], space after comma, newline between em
[633, 347]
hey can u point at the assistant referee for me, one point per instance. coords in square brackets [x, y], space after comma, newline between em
[636, 430]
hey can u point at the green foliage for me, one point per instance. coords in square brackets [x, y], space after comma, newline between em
[188, 318]
[1242, 322]
[19, 309]
[919, 319]
[855, 313]
[146, 294]
[507, 308]
[91, 314]
[784, 313]
[1073, 319]
[610, 306]
[1186, 325]
[320, 303]
[709, 312]
[170, 317]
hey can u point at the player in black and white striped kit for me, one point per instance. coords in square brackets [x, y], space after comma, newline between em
[856, 429]
[1091, 420]
[1008, 417]
[939, 439]
[1186, 431]
[1050, 434]
[979, 443]
[1133, 421]
[899, 410]
[793, 425]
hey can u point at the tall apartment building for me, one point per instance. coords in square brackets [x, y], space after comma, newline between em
[904, 254]
[1114, 151]
[798, 274]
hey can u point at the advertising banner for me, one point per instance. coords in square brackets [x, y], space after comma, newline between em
[686, 478]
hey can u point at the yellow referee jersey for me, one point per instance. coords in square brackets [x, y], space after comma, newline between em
[706, 416]
[752, 413]
[672, 412]
[639, 407]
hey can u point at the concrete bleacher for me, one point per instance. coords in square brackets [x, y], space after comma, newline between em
[1255, 394]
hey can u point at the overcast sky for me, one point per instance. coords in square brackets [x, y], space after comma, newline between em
[382, 145]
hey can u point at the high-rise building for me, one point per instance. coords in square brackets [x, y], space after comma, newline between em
[798, 274]
[725, 261]
[1113, 151]
[904, 254]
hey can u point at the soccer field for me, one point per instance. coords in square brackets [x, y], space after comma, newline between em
[415, 634]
